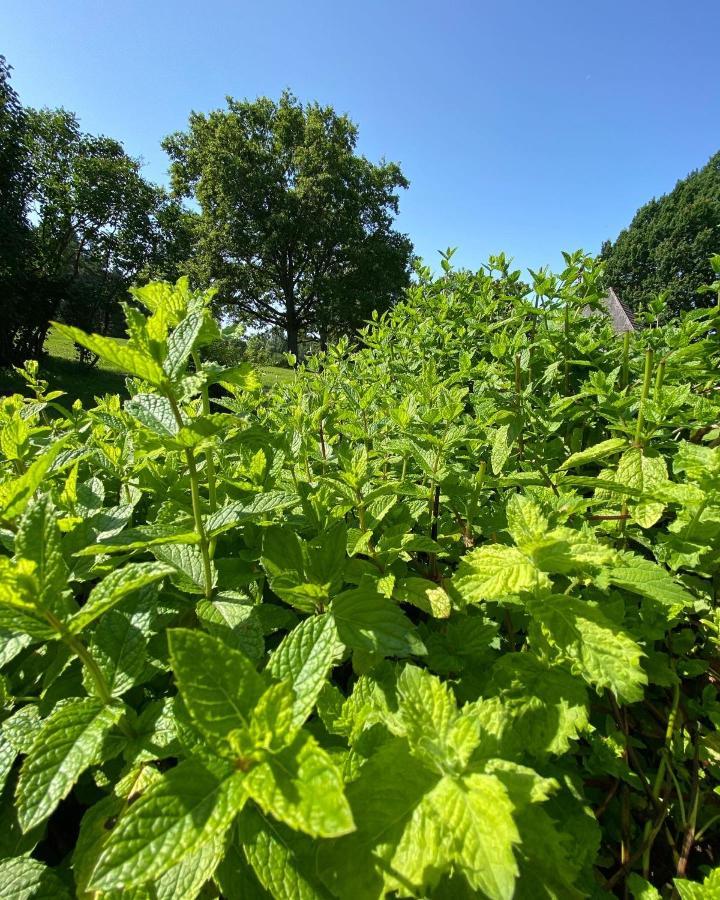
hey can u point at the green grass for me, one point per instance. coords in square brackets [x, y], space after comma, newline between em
[62, 369]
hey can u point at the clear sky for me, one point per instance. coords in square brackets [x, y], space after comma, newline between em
[523, 126]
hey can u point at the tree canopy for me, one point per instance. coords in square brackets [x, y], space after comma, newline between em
[79, 224]
[668, 245]
[295, 227]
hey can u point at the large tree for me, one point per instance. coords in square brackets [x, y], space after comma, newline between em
[295, 226]
[668, 244]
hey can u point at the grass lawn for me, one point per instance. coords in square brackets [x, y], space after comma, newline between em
[65, 372]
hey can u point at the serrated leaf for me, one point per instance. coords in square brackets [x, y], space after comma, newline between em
[601, 652]
[281, 858]
[15, 494]
[479, 833]
[643, 472]
[69, 742]
[155, 412]
[181, 342]
[119, 647]
[140, 538]
[219, 686]
[425, 595]
[182, 812]
[595, 453]
[235, 513]
[496, 571]
[119, 353]
[186, 878]
[301, 786]
[187, 561]
[237, 623]
[23, 878]
[501, 449]
[387, 802]
[368, 621]
[115, 587]
[38, 539]
[646, 578]
[305, 657]
[529, 707]
[526, 521]
[437, 732]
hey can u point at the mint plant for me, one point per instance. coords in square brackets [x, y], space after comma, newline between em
[436, 618]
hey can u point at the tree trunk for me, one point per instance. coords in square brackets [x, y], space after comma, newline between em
[291, 322]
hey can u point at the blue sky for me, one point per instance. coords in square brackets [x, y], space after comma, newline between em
[523, 126]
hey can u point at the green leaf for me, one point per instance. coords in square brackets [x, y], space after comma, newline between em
[38, 539]
[437, 733]
[641, 889]
[301, 786]
[646, 578]
[140, 538]
[219, 685]
[479, 831]
[644, 473]
[531, 708]
[155, 412]
[501, 449]
[119, 353]
[598, 650]
[495, 572]
[708, 890]
[23, 878]
[186, 878]
[281, 858]
[425, 595]
[305, 657]
[236, 622]
[181, 342]
[115, 587]
[257, 509]
[15, 494]
[68, 743]
[182, 812]
[187, 561]
[526, 521]
[368, 621]
[119, 647]
[595, 453]
[387, 803]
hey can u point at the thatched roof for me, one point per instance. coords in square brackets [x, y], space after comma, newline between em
[619, 312]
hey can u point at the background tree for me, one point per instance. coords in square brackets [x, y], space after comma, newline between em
[295, 227]
[15, 232]
[668, 244]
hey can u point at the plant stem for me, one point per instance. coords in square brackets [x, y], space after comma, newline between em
[518, 394]
[209, 456]
[643, 397]
[196, 505]
[660, 775]
[625, 359]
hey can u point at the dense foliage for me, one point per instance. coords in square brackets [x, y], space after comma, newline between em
[296, 228]
[436, 619]
[665, 248]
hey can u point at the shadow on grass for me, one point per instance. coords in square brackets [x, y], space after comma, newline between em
[76, 379]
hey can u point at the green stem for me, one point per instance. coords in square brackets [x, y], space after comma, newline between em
[660, 776]
[643, 397]
[209, 456]
[625, 359]
[196, 504]
[518, 393]
[88, 660]
[659, 379]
